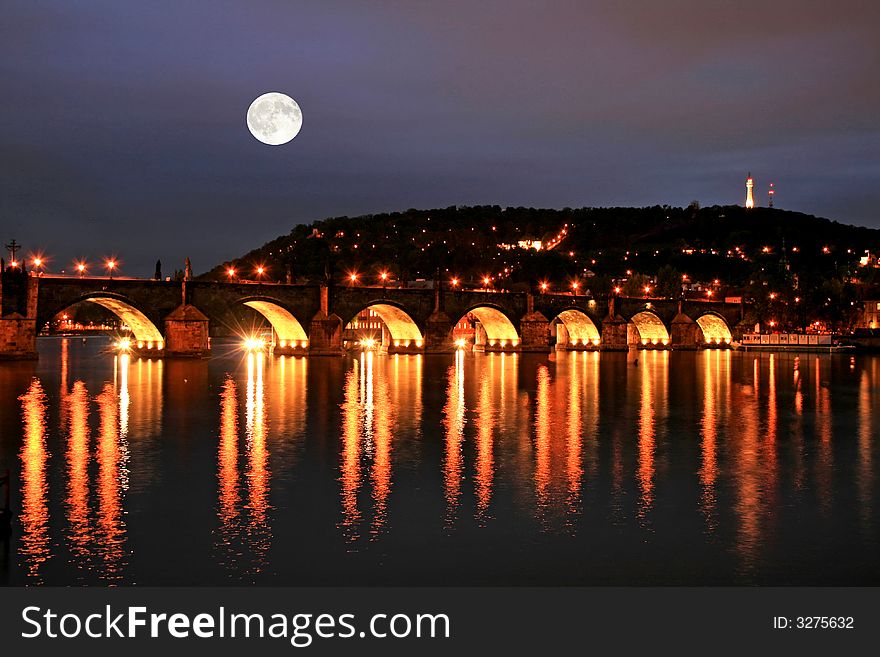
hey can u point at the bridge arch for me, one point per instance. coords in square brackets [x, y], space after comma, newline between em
[495, 330]
[714, 328]
[580, 330]
[648, 329]
[286, 326]
[403, 331]
[142, 327]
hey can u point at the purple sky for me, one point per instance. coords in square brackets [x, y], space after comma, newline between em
[122, 124]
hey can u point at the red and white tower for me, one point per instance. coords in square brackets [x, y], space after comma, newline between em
[771, 193]
[750, 200]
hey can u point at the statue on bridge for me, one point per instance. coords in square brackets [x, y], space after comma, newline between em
[188, 271]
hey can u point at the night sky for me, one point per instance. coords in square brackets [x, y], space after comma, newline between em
[122, 124]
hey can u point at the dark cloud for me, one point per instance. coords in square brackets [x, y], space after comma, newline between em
[122, 124]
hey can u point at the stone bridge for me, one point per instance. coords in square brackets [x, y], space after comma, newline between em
[178, 318]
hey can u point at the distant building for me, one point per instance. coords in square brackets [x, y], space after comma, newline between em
[750, 200]
[870, 315]
[525, 243]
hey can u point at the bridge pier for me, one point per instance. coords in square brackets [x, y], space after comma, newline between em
[18, 312]
[614, 334]
[534, 331]
[685, 333]
[18, 338]
[438, 333]
[325, 329]
[186, 333]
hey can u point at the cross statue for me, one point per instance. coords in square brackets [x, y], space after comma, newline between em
[13, 246]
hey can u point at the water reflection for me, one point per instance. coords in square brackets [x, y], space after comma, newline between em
[709, 435]
[454, 423]
[733, 462]
[486, 411]
[369, 417]
[257, 469]
[34, 549]
[79, 530]
[865, 476]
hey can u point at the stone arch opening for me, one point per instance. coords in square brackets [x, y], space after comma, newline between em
[143, 330]
[574, 329]
[648, 330]
[715, 329]
[385, 326]
[485, 328]
[288, 331]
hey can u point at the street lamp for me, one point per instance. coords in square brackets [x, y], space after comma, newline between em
[260, 271]
[486, 281]
[38, 265]
[81, 269]
[111, 265]
[230, 272]
[544, 286]
[352, 278]
[454, 282]
[647, 290]
[574, 288]
[383, 276]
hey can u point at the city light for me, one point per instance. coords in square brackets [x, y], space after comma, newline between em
[460, 343]
[260, 271]
[544, 286]
[352, 278]
[383, 276]
[616, 290]
[80, 268]
[253, 344]
[647, 289]
[110, 265]
[454, 282]
[231, 273]
[124, 344]
[368, 343]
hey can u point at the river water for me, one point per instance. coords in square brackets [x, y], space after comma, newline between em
[710, 467]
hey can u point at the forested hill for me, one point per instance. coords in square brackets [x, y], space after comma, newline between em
[729, 243]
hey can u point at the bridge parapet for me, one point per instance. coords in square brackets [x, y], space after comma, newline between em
[183, 314]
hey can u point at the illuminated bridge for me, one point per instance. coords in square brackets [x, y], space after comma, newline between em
[178, 318]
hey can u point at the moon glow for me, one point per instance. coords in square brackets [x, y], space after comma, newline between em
[274, 118]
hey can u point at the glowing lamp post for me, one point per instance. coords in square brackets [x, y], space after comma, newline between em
[647, 290]
[111, 265]
[38, 265]
[544, 287]
[454, 282]
[352, 278]
[81, 269]
[260, 270]
[230, 273]
[574, 288]
[383, 276]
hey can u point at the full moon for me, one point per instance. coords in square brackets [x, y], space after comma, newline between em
[274, 118]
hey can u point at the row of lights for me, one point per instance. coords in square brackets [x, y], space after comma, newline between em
[38, 262]
[127, 344]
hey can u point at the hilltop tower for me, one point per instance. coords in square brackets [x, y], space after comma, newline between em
[771, 193]
[750, 200]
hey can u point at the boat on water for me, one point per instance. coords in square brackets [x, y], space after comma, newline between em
[819, 342]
